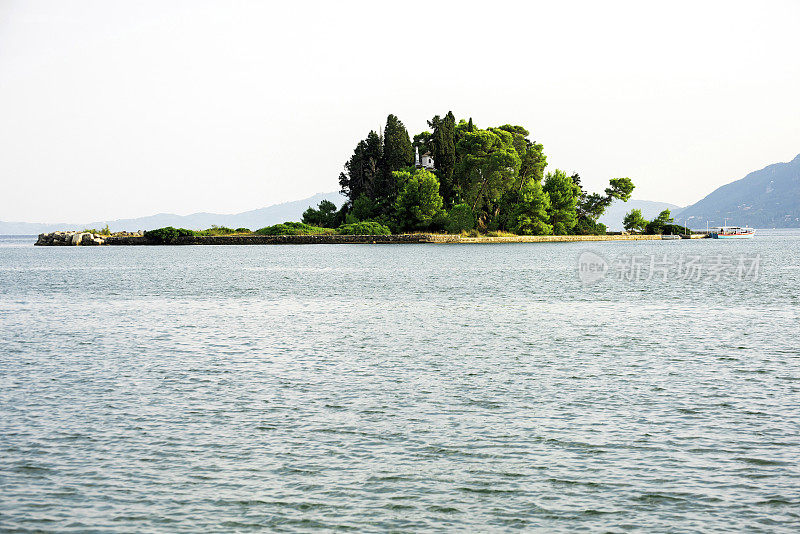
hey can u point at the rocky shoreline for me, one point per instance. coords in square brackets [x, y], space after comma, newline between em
[63, 239]
[89, 239]
[83, 239]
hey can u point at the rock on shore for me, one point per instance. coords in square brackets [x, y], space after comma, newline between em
[70, 239]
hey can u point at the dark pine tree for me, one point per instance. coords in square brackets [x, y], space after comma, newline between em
[351, 180]
[373, 157]
[362, 172]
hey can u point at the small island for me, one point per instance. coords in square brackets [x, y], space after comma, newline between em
[456, 183]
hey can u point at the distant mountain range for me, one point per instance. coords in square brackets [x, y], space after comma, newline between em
[769, 198]
[254, 219]
[277, 213]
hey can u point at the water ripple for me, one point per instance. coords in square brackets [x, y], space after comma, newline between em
[206, 389]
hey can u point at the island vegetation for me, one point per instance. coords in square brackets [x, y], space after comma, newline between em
[488, 180]
[169, 234]
[471, 181]
[635, 222]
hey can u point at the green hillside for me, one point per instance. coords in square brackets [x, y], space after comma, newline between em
[768, 198]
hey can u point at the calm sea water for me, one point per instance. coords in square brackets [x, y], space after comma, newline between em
[403, 388]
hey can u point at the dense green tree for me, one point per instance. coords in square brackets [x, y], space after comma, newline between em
[592, 206]
[620, 188]
[462, 127]
[362, 172]
[516, 136]
[364, 209]
[533, 164]
[634, 221]
[529, 214]
[419, 201]
[460, 219]
[563, 194]
[325, 215]
[487, 170]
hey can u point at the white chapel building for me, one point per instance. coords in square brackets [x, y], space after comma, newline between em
[424, 162]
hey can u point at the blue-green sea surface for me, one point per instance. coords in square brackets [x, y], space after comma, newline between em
[463, 388]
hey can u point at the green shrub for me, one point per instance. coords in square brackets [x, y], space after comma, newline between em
[168, 234]
[217, 230]
[276, 229]
[243, 230]
[293, 228]
[161, 235]
[364, 228]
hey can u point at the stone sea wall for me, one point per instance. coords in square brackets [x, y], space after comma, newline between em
[436, 238]
[276, 239]
[84, 239]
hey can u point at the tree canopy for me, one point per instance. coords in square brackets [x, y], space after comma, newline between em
[634, 221]
[419, 202]
[488, 178]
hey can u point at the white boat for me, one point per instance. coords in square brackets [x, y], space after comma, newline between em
[670, 236]
[732, 232]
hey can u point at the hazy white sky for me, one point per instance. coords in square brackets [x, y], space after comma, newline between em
[114, 109]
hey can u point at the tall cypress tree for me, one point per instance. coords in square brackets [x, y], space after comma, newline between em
[444, 153]
[373, 154]
[397, 149]
[398, 153]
